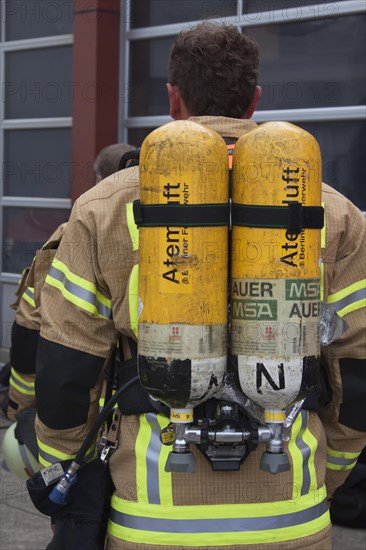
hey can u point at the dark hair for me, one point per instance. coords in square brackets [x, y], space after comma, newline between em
[215, 68]
[108, 159]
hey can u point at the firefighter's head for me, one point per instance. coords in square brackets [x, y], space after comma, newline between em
[108, 159]
[213, 70]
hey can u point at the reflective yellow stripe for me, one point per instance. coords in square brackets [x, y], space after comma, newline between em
[133, 285]
[78, 291]
[296, 457]
[312, 442]
[132, 227]
[350, 298]
[48, 456]
[341, 460]
[323, 244]
[141, 445]
[23, 386]
[102, 402]
[340, 467]
[337, 296]
[321, 280]
[153, 483]
[323, 231]
[342, 454]
[219, 525]
[44, 462]
[302, 447]
[28, 296]
[134, 277]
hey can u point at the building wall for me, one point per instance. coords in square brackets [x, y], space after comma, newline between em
[36, 44]
[60, 81]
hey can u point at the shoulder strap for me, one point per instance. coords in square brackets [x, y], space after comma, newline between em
[131, 158]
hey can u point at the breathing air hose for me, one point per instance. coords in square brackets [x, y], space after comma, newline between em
[59, 493]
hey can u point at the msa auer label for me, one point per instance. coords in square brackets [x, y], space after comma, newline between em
[263, 310]
[275, 317]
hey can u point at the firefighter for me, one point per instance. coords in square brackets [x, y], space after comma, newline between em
[90, 298]
[25, 329]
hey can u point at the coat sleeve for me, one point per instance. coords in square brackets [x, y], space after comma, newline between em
[24, 339]
[344, 418]
[77, 333]
[25, 331]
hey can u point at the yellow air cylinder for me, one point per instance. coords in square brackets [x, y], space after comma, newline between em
[275, 273]
[183, 270]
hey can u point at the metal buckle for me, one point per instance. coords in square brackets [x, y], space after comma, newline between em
[108, 449]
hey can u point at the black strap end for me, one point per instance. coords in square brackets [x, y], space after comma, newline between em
[130, 158]
[137, 212]
[314, 217]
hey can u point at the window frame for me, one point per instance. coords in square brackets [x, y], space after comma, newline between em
[274, 17]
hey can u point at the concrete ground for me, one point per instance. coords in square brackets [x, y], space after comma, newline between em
[23, 528]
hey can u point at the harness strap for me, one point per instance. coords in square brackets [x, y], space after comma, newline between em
[180, 215]
[131, 158]
[294, 217]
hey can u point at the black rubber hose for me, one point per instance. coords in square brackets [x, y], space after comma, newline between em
[101, 418]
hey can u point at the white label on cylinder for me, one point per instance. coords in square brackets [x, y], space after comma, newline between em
[181, 341]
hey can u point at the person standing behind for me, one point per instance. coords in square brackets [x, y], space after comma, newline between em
[25, 329]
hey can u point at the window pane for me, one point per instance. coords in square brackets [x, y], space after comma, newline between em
[137, 135]
[35, 18]
[38, 83]
[312, 63]
[37, 163]
[343, 146]
[148, 77]
[147, 13]
[26, 230]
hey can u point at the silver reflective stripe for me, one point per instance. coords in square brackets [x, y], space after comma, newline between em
[25, 460]
[219, 525]
[350, 299]
[29, 293]
[305, 451]
[340, 461]
[48, 457]
[152, 460]
[80, 292]
[16, 382]
[53, 459]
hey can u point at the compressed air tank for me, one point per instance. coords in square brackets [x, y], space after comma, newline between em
[183, 269]
[275, 288]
